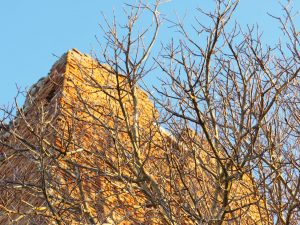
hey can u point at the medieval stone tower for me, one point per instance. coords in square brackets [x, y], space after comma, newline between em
[82, 151]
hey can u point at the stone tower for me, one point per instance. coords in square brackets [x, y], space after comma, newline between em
[70, 154]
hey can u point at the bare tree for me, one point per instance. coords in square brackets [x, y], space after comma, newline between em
[233, 92]
[220, 147]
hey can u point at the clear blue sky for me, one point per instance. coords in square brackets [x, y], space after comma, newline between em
[32, 30]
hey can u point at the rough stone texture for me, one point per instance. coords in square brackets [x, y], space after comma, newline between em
[73, 134]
